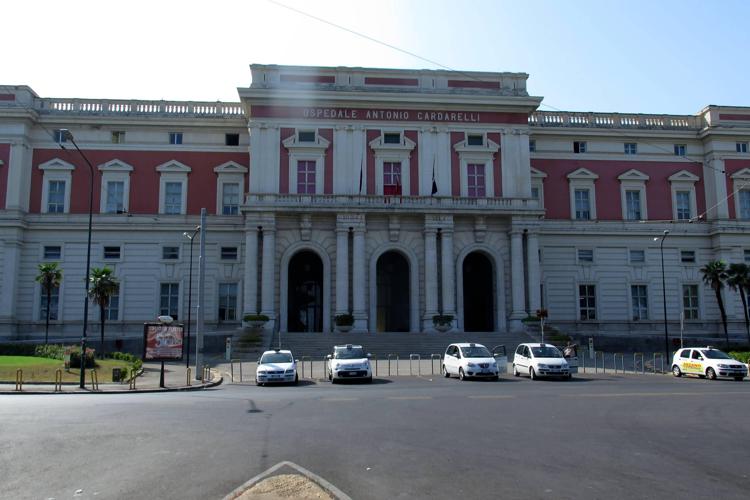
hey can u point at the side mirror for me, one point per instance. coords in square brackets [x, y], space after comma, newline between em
[369, 355]
[328, 356]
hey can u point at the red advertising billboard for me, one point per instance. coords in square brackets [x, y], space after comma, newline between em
[162, 342]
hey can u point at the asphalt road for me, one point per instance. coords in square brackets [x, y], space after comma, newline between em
[594, 437]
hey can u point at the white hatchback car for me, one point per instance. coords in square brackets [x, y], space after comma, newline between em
[348, 362]
[276, 366]
[707, 362]
[540, 360]
[469, 360]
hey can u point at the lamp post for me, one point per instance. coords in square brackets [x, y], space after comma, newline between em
[191, 237]
[69, 137]
[664, 296]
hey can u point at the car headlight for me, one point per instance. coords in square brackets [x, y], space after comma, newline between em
[541, 365]
[262, 372]
[471, 365]
[493, 363]
[724, 366]
[290, 370]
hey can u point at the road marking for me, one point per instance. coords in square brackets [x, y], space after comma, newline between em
[492, 396]
[330, 488]
[339, 399]
[649, 394]
[406, 398]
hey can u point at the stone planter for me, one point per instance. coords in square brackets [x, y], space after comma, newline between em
[443, 327]
[255, 325]
[344, 328]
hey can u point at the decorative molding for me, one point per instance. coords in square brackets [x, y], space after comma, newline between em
[230, 167]
[394, 227]
[56, 164]
[305, 227]
[174, 166]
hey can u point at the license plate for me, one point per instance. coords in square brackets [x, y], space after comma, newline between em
[485, 371]
[352, 373]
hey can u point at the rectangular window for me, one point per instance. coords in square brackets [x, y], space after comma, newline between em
[475, 140]
[532, 145]
[392, 178]
[633, 205]
[392, 138]
[582, 204]
[682, 198]
[687, 256]
[52, 252]
[637, 256]
[579, 146]
[118, 137]
[587, 302]
[690, 301]
[747, 256]
[54, 300]
[169, 299]
[585, 255]
[232, 139]
[56, 197]
[741, 147]
[227, 301]
[228, 253]
[112, 311]
[170, 253]
[230, 198]
[631, 148]
[306, 177]
[680, 149]
[173, 198]
[115, 197]
[59, 136]
[744, 200]
[476, 182]
[639, 298]
[111, 252]
[306, 136]
[175, 137]
[535, 193]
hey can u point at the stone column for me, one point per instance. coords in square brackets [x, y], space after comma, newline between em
[518, 295]
[250, 292]
[532, 257]
[358, 280]
[448, 273]
[11, 264]
[342, 270]
[430, 277]
[268, 282]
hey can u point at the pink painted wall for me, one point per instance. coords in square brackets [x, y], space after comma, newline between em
[608, 204]
[284, 161]
[413, 135]
[497, 171]
[371, 136]
[5, 158]
[731, 167]
[144, 180]
[456, 137]
[327, 134]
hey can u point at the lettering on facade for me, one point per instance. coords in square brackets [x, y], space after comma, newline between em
[391, 115]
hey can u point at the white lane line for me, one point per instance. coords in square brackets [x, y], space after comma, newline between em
[492, 396]
[651, 394]
[409, 398]
[339, 399]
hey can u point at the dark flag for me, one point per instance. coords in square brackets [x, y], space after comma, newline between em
[434, 184]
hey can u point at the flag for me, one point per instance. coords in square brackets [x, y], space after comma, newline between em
[361, 168]
[434, 184]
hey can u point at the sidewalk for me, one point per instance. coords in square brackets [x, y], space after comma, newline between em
[175, 379]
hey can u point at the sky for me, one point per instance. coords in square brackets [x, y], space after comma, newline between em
[657, 56]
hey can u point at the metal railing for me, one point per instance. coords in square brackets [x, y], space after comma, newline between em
[391, 357]
[188, 373]
[621, 357]
[19, 379]
[439, 358]
[94, 380]
[58, 380]
[231, 368]
[418, 358]
[639, 356]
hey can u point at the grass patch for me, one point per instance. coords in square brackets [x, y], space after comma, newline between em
[43, 369]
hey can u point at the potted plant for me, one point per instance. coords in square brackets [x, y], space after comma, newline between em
[442, 322]
[255, 320]
[344, 322]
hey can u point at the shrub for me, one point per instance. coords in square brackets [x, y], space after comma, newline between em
[17, 349]
[345, 319]
[255, 317]
[52, 351]
[442, 319]
[741, 356]
[132, 359]
[75, 357]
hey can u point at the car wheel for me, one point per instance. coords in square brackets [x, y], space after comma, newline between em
[496, 378]
[445, 373]
[259, 384]
[738, 379]
[330, 376]
[461, 375]
[570, 376]
[711, 374]
[296, 379]
[676, 371]
[532, 373]
[515, 371]
[369, 380]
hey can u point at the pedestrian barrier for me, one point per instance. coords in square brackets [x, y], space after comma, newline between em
[596, 362]
[390, 358]
[302, 361]
[417, 357]
[206, 374]
[325, 360]
[375, 358]
[131, 382]
[58, 380]
[94, 380]
[621, 357]
[639, 356]
[661, 358]
[231, 368]
[433, 357]
[188, 372]
[19, 379]
[582, 359]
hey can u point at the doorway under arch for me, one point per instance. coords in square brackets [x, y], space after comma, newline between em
[479, 293]
[392, 282]
[305, 293]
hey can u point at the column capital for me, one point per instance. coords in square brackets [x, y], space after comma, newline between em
[353, 221]
[438, 221]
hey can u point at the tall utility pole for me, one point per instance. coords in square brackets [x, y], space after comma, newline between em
[201, 296]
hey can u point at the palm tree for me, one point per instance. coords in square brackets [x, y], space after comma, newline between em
[714, 275]
[50, 277]
[103, 285]
[739, 280]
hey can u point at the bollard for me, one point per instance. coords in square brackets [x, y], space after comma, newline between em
[231, 368]
[206, 374]
[636, 357]
[303, 359]
[596, 359]
[58, 380]
[622, 361]
[94, 380]
[582, 358]
[412, 357]
[131, 382]
[188, 372]
[19, 379]
[391, 357]
[433, 357]
[375, 357]
[661, 358]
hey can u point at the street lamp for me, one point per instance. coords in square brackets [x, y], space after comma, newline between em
[191, 237]
[664, 296]
[68, 136]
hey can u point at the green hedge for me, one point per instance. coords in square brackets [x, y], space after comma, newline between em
[128, 358]
[17, 349]
[742, 356]
[52, 351]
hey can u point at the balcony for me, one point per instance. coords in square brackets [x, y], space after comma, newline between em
[117, 107]
[614, 121]
[255, 202]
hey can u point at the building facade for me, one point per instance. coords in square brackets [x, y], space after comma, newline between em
[393, 195]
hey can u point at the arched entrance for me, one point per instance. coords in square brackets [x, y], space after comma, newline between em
[479, 293]
[392, 281]
[305, 293]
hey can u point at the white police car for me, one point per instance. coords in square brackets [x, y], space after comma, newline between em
[348, 362]
[276, 366]
[707, 362]
[540, 360]
[469, 360]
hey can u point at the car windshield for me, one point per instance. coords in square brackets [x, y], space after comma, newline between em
[715, 354]
[476, 352]
[546, 352]
[353, 353]
[276, 357]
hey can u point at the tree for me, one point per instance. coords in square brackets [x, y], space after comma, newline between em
[714, 275]
[50, 277]
[103, 285]
[738, 279]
